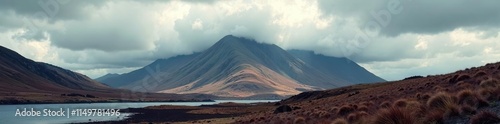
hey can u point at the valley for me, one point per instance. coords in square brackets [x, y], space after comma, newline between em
[250, 61]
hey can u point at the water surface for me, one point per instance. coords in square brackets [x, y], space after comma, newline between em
[7, 112]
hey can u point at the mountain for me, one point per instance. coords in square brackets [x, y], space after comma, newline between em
[19, 74]
[163, 65]
[107, 76]
[342, 67]
[240, 67]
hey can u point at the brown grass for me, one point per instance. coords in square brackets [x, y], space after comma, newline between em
[362, 114]
[418, 96]
[489, 83]
[425, 97]
[443, 106]
[385, 104]
[352, 117]
[400, 103]
[467, 97]
[368, 104]
[394, 115]
[463, 85]
[481, 102]
[487, 94]
[467, 110]
[416, 108]
[434, 117]
[354, 106]
[299, 120]
[452, 110]
[463, 77]
[479, 74]
[344, 110]
[432, 99]
[340, 121]
[362, 108]
[485, 117]
[440, 101]
[358, 118]
[334, 109]
[496, 92]
[453, 79]
[325, 114]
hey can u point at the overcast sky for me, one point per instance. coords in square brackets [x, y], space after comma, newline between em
[393, 39]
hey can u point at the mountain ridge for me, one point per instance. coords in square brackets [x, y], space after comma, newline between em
[236, 66]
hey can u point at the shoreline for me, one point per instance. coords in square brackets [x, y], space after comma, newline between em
[216, 113]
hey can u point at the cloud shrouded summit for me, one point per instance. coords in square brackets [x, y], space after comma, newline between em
[98, 37]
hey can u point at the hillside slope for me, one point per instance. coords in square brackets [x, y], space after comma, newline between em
[342, 67]
[21, 74]
[165, 66]
[457, 97]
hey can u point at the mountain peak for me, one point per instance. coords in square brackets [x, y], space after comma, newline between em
[234, 40]
[230, 40]
[228, 37]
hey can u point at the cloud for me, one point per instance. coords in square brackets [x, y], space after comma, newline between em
[422, 16]
[9, 20]
[117, 27]
[440, 16]
[96, 37]
[51, 9]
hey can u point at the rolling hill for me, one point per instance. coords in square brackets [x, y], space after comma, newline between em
[19, 74]
[25, 81]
